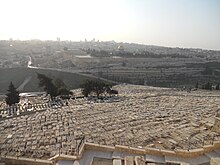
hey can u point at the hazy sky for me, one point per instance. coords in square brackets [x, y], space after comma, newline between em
[176, 23]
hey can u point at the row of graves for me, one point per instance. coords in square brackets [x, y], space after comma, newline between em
[162, 119]
[29, 107]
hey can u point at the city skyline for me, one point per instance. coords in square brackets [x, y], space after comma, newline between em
[182, 23]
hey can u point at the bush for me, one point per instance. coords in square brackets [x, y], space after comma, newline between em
[96, 87]
[53, 87]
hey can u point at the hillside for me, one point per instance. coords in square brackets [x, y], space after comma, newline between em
[26, 78]
[140, 116]
[132, 63]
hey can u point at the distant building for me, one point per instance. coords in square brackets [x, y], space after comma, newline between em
[93, 40]
[121, 48]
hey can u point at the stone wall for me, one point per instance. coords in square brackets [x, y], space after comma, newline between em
[152, 151]
[24, 161]
[117, 148]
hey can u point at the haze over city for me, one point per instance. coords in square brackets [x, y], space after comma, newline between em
[182, 23]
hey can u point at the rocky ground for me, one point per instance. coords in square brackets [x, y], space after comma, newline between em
[139, 116]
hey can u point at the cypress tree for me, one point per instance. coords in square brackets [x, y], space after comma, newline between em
[12, 95]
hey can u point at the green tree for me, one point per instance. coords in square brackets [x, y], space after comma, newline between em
[63, 91]
[87, 87]
[47, 85]
[53, 87]
[98, 87]
[61, 86]
[95, 86]
[12, 95]
[59, 83]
